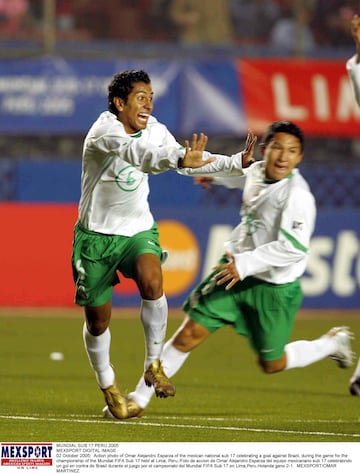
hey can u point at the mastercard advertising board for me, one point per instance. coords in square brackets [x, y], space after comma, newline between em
[36, 240]
[181, 266]
[35, 255]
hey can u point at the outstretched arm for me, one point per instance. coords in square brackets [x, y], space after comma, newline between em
[152, 159]
[227, 165]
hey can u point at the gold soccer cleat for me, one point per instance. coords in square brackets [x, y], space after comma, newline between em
[133, 411]
[155, 376]
[115, 401]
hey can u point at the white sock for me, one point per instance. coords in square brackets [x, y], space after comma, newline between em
[98, 351]
[303, 353]
[153, 315]
[172, 359]
[356, 373]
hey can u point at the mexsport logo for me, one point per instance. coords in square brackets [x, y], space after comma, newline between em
[26, 454]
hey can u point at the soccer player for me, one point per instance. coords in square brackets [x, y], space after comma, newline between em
[353, 67]
[115, 230]
[255, 287]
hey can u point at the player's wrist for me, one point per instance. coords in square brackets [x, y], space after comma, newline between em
[180, 163]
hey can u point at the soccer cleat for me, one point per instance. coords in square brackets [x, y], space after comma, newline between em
[115, 401]
[133, 411]
[164, 256]
[354, 387]
[155, 376]
[343, 355]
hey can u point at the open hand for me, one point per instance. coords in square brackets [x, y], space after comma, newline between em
[248, 152]
[227, 272]
[193, 157]
[204, 181]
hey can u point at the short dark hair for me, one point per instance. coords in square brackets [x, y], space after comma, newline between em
[283, 127]
[122, 84]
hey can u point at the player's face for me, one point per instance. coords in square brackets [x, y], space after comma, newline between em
[134, 114]
[281, 155]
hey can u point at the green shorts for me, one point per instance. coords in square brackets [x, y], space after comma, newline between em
[96, 258]
[261, 311]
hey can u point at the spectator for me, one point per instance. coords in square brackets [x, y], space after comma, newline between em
[200, 23]
[292, 32]
[159, 25]
[13, 14]
[331, 22]
[252, 21]
[65, 18]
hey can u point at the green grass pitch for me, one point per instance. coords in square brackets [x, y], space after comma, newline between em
[221, 393]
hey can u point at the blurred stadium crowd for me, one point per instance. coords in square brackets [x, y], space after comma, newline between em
[181, 28]
[293, 26]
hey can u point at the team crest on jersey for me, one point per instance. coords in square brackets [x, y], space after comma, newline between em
[128, 178]
[252, 222]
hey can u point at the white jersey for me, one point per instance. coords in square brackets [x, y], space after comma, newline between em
[277, 221]
[115, 168]
[353, 69]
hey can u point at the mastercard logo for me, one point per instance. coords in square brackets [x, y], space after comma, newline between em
[182, 265]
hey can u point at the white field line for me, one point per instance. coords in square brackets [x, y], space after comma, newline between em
[74, 419]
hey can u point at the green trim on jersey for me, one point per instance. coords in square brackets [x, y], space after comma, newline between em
[273, 181]
[294, 241]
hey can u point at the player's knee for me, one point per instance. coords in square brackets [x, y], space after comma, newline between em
[148, 276]
[273, 366]
[98, 318]
[183, 341]
[96, 328]
[152, 291]
[190, 336]
[151, 286]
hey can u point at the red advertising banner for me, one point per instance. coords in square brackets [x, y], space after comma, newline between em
[35, 257]
[315, 94]
[36, 241]
[35, 254]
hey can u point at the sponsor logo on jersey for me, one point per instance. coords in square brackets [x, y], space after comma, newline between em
[297, 225]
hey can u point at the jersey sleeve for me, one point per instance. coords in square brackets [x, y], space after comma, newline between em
[223, 166]
[293, 238]
[230, 182]
[353, 69]
[143, 155]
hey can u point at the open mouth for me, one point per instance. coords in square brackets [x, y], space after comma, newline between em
[143, 117]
